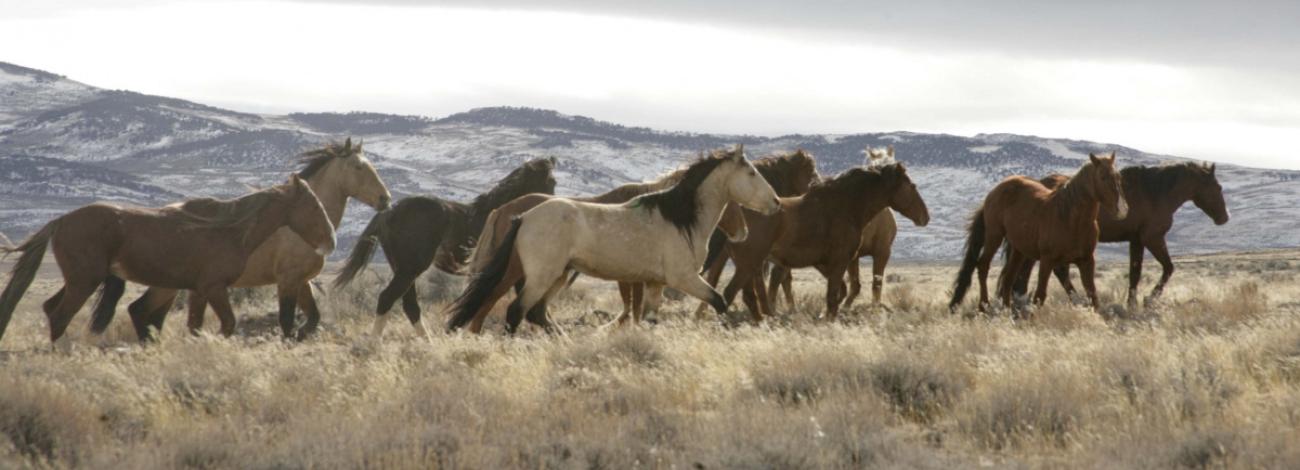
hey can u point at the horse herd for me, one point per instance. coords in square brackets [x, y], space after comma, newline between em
[776, 211]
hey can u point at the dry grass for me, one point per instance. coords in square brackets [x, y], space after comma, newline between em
[1209, 377]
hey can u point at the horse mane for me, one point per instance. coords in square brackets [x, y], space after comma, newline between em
[509, 187]
[1071, 192]
[853, 179]
[314, 161]
[208, 213]
[775, 168]
[1161, 179]
[679, 204]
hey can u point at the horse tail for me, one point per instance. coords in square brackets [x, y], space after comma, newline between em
[483, 283]
[481, 254]
[33, 249]
[364, 249]
[716, 243]
[106, 304]
[974, 247]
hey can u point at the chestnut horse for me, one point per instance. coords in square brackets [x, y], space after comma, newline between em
[418, 229]
[821, 229]
[657, 238]
[788, 174]
[1054, 227]
[877, 242]
[1153, 195]
[202, 245]
[335, 172]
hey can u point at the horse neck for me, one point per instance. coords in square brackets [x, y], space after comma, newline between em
[868, 207]
[1077, 201]
[1182, 191]
[710, 199]
[331, 195]
[260, 228]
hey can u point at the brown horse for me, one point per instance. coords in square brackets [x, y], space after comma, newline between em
[1153, 195]
[335, 172]
[417, 229]
[202, 245]
[877, 243]
[820, 229]
[1054, 227]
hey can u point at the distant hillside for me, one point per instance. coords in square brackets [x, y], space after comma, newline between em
[63, 143]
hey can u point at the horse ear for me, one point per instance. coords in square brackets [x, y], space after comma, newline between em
[740, 151]
[1093, 157]
[295, 180]
[347, 144]
[1112, 155]
[1212, 166]
[891, 150]
[554, 161]
[359, 142]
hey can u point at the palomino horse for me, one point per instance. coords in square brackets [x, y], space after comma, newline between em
[656, 238]
[877, 242]
[821, 229]
[335, 173]
[1153, 195]
[202, 245]
[1054, 227]
[418, 229]
[788, 174]
[732, 224]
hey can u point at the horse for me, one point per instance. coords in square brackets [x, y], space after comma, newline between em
[657, 238]
[731, 224]
[788, 174]
[820, 229]
[1153, 195]
[202, 245]
[418, 229]
[877, 242]
[1054, 227]
[335, 172]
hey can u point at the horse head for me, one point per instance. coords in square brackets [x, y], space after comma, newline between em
[1108, 185]
[745, 186]
[1208, 194]
[346, 167]
[904, 196]
[307, 216]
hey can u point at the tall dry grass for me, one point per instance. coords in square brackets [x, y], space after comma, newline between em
[1209, 377]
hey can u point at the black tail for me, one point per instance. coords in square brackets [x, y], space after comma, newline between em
[364, 249]
[24, 270]
[479, 288]
[974, 246]
[106, 305]
[717, 242]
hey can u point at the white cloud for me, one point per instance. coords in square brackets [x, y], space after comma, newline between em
[660, 73]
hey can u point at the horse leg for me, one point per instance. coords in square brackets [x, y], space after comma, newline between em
[288, 296]
[1087, 269]
[653, 294]
[639, 299]
[538, 314]
[775, 275]
[1161, 253]
[197, 304]
[149, 310]
[741, 278]
[764, 297]
[307, 302]
[514, 279]
[714, 275]
[540, 282]
[991, 243]
[1045, 267]
[835, 290]
[1135, 255]
[749, 293]
[1010, 271]
[625, 294]
[71, 298]
[697, 287]
[219, 297]
[787, 283]
[411, 307]
[106, 306]
[855, 283]
[402, 282]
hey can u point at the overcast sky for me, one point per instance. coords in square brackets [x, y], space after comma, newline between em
[1211, 80]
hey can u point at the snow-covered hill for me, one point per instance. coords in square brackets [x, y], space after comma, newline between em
[63, 144]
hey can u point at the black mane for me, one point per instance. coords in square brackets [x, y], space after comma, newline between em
[534, 176]
[1158, 180]
[679, 204]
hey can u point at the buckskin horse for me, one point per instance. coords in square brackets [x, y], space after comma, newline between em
[657, 238]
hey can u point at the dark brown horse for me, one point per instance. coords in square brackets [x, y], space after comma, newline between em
[821, 229]
[418, 229]
[788, 174]
[336, 172]
[1153, 195]
[1055, 227]
[201, 245]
